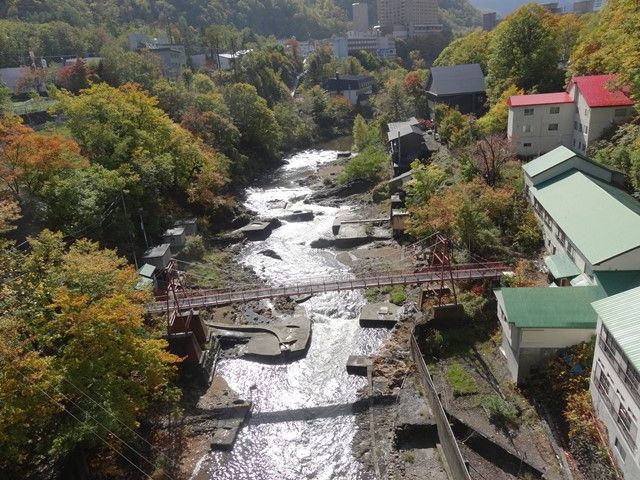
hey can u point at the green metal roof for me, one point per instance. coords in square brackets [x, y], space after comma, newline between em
[562, 307]
[618, 281]
[621, 315]
[556, 157]
[147, 270]
[561, 266]
[601, 220]
[548, 160]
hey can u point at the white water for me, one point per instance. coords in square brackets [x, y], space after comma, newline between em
[301, 425]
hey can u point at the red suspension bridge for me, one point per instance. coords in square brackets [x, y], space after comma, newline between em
[438, 272]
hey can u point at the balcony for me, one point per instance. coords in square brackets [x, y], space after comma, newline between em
[604, 396]
[629, 382]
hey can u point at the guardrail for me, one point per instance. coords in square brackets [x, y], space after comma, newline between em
[453, 456]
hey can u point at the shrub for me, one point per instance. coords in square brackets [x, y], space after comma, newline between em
[462, 383]
[369, 165]
[398, 295]
[194, 248]
[499, 410]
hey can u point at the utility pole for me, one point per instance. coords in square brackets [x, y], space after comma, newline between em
[133, 243]
[144, 233]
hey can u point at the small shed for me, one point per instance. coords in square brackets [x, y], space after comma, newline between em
[190, 226]
[158, 256]
[147, 277]
[176, 236]
[399, 219]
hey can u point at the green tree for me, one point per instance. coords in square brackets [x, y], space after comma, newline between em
[360, 133]
[393, 102]
[610, 43]
[472, 48]
[370, 165]
[261, 133]
[525, 53]
[426, 181]
[474, 229]
[118, 67]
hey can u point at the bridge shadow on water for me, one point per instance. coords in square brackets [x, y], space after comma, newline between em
[317, 413]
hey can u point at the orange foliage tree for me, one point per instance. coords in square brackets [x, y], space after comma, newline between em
[29, 159]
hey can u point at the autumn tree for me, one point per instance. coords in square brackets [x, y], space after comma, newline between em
[491, 154]
[77, 361]
[73, 77]
[495, 121]
[28, 160]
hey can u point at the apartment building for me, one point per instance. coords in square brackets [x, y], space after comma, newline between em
[419, 17]
[591, 228]
[575, 118]
[615, 376]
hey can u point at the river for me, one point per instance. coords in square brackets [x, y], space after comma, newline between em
[301, 425]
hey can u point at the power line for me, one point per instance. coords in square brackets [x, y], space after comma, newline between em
[95, 433]
[118, 420]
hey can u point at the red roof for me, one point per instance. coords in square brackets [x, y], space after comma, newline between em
[539, 99]
[601, 91]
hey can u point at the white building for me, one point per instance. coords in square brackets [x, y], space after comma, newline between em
[538, 123]
[591, 226]
[615, 376]
[378, 45]
[579, 203]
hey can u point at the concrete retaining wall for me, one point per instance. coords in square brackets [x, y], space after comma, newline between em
[452, 453]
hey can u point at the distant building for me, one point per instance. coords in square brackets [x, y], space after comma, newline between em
[378, 45]
[172, 57]
[598, 4]
[575, 118]
[583, 6]
[355, 88]
[489, 21]
[226, 61]
[552, 7]
[615, 376]
[360, 17]
[460, 86]
[418, 17]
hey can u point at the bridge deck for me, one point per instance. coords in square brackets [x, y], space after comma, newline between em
[219, 297]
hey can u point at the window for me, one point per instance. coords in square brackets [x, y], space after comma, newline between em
[526, 129]
[586, 112]
[553, 127]
[620, 449]
[526, 145]
[580, 127]
[554, 110]
[627, 424]
[574, 142]
[619, 112]
[528, 112]
[586, 129]
[575, 126]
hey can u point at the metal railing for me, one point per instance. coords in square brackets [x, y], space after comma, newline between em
[218, 297]
[450, 448]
